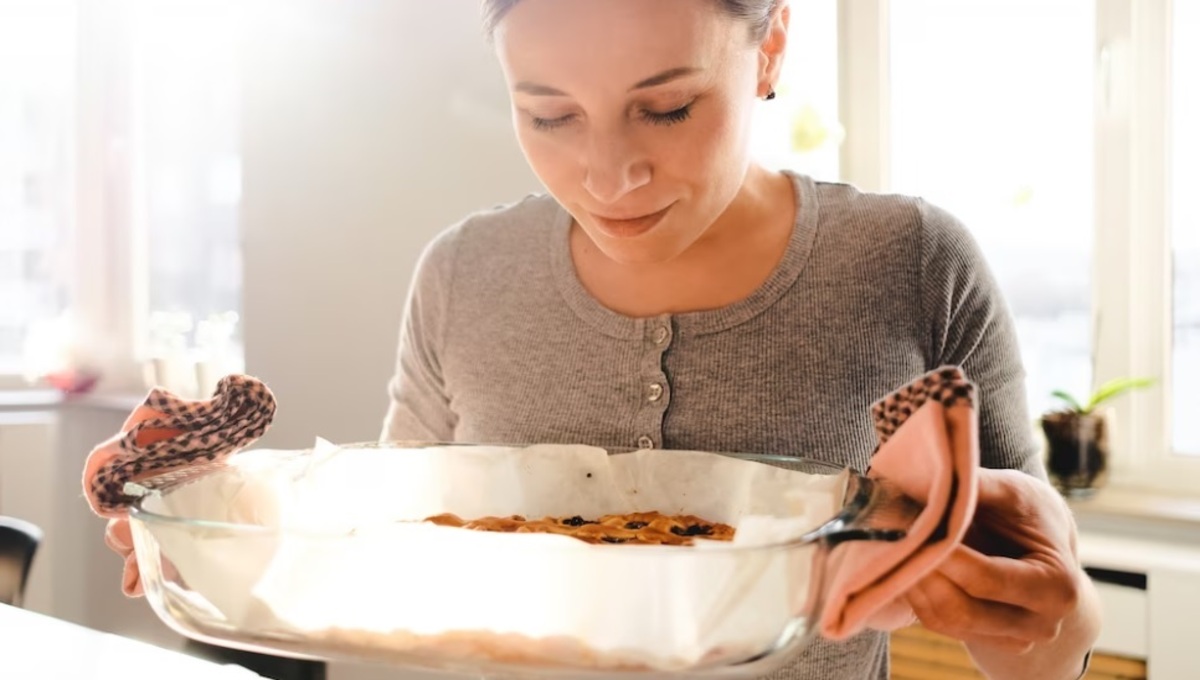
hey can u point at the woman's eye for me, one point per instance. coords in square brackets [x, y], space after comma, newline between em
[550, 123]
[653, 117]
[670, 117]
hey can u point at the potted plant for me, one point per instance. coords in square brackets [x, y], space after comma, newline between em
[1078, 438]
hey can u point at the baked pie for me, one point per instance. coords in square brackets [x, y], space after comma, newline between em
[646, 528]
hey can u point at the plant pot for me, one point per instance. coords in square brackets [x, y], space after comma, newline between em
[1077, 451]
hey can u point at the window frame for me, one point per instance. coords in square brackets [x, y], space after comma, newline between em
[110, 288]
[1131, 262]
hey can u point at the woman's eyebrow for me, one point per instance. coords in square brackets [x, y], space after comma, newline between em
[666, 77]
[539, 90]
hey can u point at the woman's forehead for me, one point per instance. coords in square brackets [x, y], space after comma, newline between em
[617, 41]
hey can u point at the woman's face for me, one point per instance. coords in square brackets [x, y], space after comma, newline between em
[634, 114]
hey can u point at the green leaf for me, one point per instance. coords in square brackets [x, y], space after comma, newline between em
[1115, 388]
[1067, 398]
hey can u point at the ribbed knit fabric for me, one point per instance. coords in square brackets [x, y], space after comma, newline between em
[502, 344]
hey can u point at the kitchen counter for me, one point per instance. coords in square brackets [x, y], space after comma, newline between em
[37, 647]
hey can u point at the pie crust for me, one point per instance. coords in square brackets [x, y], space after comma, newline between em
[645, 528]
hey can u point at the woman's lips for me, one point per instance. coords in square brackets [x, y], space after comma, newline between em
[629, 227]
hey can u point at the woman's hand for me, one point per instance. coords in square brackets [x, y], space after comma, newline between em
[119, 538]
[1015, 592]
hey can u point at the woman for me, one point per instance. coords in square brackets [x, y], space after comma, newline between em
[669, 292]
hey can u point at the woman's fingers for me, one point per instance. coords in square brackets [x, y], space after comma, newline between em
[118, 536]
[131, 579]
[1037, 585]
[944, 607]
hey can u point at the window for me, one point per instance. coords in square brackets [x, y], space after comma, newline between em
[37, 99]
[1042, 124]
[799, 129]
[119, 186]
[1005, 144]
[184, 82]
[1185, 227]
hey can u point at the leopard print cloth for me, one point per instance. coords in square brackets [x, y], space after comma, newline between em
[948, 385]
[199, 435]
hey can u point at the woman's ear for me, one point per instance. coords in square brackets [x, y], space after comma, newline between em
[774, 45]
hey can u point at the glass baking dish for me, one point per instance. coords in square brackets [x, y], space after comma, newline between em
[340, 583]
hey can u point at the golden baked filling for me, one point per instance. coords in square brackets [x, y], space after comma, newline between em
[647, 528]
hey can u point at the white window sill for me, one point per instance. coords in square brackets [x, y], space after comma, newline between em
[52, 400]
[1140, 513]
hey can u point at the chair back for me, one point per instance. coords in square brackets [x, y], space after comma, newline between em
[19, 541]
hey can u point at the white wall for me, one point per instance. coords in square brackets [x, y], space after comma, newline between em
[369, 126]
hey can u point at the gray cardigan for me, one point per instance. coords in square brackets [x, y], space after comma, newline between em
[500, 343]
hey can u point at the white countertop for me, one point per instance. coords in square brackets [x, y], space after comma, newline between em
[38, 647]
[1138, 555]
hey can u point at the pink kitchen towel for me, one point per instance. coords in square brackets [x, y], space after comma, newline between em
[928, 454]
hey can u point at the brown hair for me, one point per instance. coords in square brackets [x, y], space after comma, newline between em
[756, 13]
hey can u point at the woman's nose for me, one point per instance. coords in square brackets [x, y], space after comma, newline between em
[613, 168]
